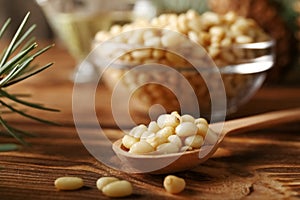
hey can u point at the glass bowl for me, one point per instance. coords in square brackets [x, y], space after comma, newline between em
[75, 23]
[184, 76]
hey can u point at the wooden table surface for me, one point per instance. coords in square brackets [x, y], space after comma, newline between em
[262, 164]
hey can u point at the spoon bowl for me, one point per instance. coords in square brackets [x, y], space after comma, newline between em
[175, 162]
[163, 163]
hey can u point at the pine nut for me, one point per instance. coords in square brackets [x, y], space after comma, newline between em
[193, 36]
[202, 129]
[173, 58]
[228, 56]
[118, 189]
[115, 29]
[103, 181]
[68, 183]
[194, 141]
[153, 127]
[182, 23]
[138, 131]
[175, 139]
[167, 120]
[149, 34]
[191, 14]
[185, 148]
[128, 141]
[242, 39]
[217, 31]
[165, 132]
[166, 148]
[213, 51]
[147, 134]
[201, 121]
[170, 39]
[153, 42]
[194, 25]
[211, 18]
[174, 184]
[186, 129]
[158, 54]
[136, 38]
[156, 141]
[141, 147]
[187, 118]
[230, 17]
[141, 54]
[175, 113]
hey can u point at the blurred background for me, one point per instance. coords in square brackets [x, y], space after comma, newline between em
[16, 9]
[280, 18]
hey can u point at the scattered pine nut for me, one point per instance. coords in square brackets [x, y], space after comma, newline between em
[103, 181]
[174, 184]
[113, 187]
[68, 183]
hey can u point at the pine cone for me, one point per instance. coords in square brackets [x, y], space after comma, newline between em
[267, 14]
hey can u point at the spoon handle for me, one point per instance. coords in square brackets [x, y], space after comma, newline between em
[260, 121]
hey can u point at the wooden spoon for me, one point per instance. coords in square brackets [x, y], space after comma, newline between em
[167, 163]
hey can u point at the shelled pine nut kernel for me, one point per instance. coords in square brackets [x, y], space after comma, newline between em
[214, 32]
[114, 187]
[171, 133]
[152, 40]
[68, 183]
[103, 181]
[174, 184]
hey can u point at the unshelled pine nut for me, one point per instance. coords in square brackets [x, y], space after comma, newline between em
[174, 184]
[118, 189]
[103, 181]
[68, 183]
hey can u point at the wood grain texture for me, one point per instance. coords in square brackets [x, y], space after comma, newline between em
[262, 164]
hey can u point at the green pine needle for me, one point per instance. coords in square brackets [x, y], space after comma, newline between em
[16, 66]
[9, 147]
[17, 100]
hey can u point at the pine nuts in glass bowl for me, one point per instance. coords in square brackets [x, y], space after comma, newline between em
[160, 61]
